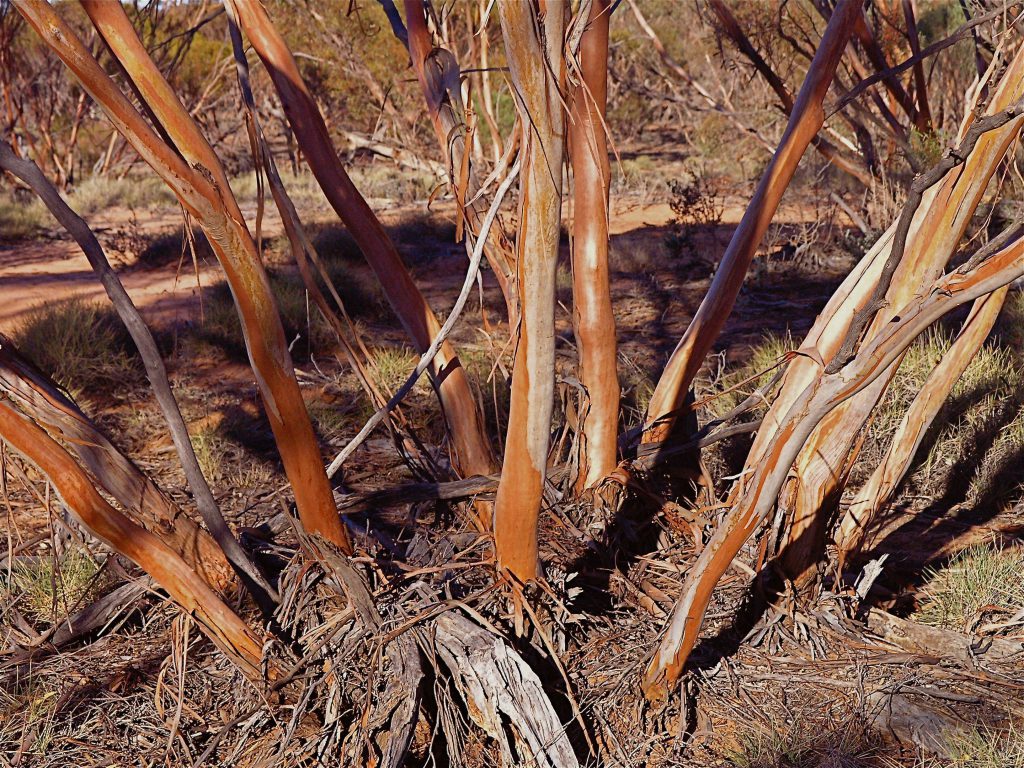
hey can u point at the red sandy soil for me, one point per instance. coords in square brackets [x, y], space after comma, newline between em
[53, 268]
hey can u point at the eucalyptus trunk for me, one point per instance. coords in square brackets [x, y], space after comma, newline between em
[471, 449]
[535, 70]
[805, 121]
[594, 321]
[191, 170]
[940, 222]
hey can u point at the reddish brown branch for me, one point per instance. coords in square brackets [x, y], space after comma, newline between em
[470, 447]
[222, 625]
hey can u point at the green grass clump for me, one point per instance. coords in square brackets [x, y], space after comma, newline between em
[488, 376]
[977, 436]
[977, 577]
[918, 362]
[49, 589]
[735, 385]
[211, 453]
[81, 346]
[637, 387]
[392, 365]
[333, 419]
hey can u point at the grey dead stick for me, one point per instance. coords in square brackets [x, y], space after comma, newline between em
[398, 707]
[503, 694]
[29, 172]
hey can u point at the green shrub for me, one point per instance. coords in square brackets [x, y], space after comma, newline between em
[927, 146]
[79, 345]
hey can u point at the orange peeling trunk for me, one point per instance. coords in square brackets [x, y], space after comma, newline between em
[535, 64]
[199, 183]
[594, 321]
[440, 80]
[471, 449]
[48, 406]
[222, 625]
[804, 123]
[817, 400]
[942, 217]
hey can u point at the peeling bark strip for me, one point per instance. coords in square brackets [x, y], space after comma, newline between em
[921, 246]
[222, 625]
[594, 321]
[533, 44]
[804, 123]
[440, 78]
[816, 401]
[199, 182]
[45, 403]
[303, 252]
[471, 450]
[877, 492]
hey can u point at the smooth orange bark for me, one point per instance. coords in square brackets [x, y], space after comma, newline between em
[805, 121]
[222, 625]
[471, 449]
[211, 202]
[594, 321]
[535, 65]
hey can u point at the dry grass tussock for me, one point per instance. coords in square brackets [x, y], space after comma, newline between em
[730, 386]
[375, 180]
[980, 580]
[986, 748]
[978, 436]
[49, 586]
[97, 194]
[82, 346]
[22, 218]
